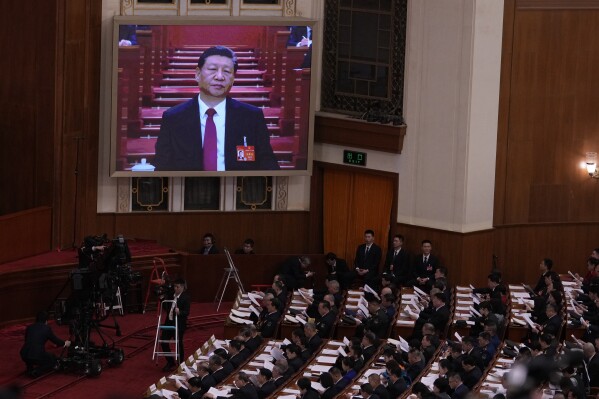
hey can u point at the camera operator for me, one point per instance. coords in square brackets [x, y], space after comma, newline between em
[91, 249]
[179, 310]
[39, 361]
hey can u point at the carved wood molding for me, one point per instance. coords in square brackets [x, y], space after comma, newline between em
[359, 134]
[282, 193]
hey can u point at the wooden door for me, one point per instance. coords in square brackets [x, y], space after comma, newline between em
[355, 201]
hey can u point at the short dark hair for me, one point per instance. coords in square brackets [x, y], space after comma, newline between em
[292, 348]
[396, 372]
[370, 336]
[235, 344]
[485, 335]
[325, 304]
[243, 376]
[426, 242]
[369, 231]
[304, 383]
[41, 317]
[548, 263]
[486, 305]
[349, 362]
[494, 277]
[179, 281]
[249, 241]
[266, 372]
[440, 296]
[398, 236]
[218, 50]
[442, 384]
[326, 380]
[195, 382]
[366, 388]
[211, 236]
[443, 270]
[331, 256]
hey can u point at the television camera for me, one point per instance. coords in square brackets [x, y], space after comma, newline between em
[104, 269]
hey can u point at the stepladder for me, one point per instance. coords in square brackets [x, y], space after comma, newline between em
[166, 343]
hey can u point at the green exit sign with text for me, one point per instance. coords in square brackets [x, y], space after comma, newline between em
[354, 157]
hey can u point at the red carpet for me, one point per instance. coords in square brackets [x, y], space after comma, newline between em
[129, 380]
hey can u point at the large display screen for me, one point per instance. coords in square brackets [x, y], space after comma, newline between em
[220, 96]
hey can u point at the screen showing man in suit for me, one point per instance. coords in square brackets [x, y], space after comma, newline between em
[210, 131]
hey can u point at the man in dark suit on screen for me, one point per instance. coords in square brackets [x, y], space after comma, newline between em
[209, 131]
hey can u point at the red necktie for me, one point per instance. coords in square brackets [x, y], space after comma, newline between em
[210, 141]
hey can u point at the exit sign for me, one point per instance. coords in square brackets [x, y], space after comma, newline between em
[354, 157]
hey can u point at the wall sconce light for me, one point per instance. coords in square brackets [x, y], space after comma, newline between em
[591, 162]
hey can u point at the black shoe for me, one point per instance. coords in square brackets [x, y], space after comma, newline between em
[168, 367]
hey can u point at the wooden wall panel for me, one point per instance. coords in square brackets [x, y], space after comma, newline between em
[25, 233]
[28, 39]
[204, 273]
[467, 256]
[547, 118]
[273, 232]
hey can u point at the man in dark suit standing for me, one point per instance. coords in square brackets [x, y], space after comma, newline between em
[213, 132]
[33, 353]
[367, 260]
[424, 267]
[397, 262]
[176, 311]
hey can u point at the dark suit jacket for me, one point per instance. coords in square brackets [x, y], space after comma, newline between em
[184, 304]
[292, 273]
[425, 270]
[185, 393]
[370, 261]
[553, 325]
[325, 324]
[438, 318]
[460, 392]
[237, 359]
[213, 250]
[253, 343]
[368, 353]
[397, 388]
[381, 392]
[248, 391]
[296, 34]
[266, 389]
[268, 326]
[311, 393]
[219, 375]
[339, 272]
[472, 377]
[36, 336]
[179, 145]
[314, 343]
[402, 270]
